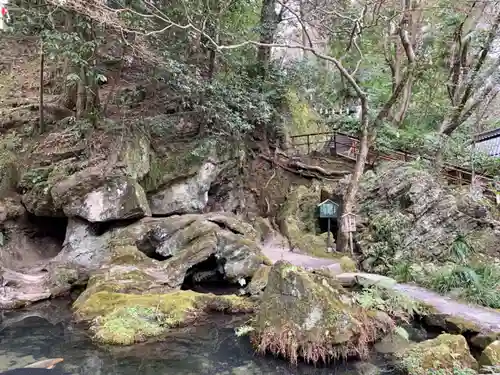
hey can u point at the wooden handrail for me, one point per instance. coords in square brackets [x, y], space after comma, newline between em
[463, 175]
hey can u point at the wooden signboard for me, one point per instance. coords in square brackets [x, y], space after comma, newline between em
[349, 223]
[328, 209]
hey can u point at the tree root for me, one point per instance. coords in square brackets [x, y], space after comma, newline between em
[305, 170]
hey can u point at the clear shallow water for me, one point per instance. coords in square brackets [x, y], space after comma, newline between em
[45, 331]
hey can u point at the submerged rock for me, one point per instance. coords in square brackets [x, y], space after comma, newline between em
[445, 353]
[124, 319]
[310, 316]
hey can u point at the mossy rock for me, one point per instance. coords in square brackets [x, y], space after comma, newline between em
[259, 280]
[347, 264]
[124, 319]
[446, 353]
[491, 355]
[118, 279]
[10, 209]
[298, 222]
[482, 340]
[171, 165]
[307, 315]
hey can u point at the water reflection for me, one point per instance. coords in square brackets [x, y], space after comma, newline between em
[47, 332]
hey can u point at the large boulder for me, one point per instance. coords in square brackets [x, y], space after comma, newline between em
[66, 177]
[157, 254]
[188, 196]
[97, 197]
[447, 353]
[491, 355]
[307, 315]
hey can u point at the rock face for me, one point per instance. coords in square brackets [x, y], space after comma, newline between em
[446, 353]
[99, 198]
[298, 222]
[311, 316]
[188, 196]
[118, 260]
[414, 216]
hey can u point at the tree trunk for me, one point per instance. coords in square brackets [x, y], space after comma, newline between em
[269, 21]
[349, 201]
[69, 95]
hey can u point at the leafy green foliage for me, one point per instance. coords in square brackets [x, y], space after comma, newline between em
[477, 283]
[395, 304]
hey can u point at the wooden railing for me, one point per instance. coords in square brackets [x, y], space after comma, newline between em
[341, 144]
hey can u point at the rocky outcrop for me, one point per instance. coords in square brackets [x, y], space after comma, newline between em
[409, 214]
[97, 197]
[447, 353]
[298, 222]
[188, 196]
[310, 316]
[150, 255]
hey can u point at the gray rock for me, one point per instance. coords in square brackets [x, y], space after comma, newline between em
[82, 247]
[188, 196]
[91, 195]
[414, 216]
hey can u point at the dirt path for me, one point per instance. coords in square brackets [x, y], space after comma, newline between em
[487, 319]
[275, 251]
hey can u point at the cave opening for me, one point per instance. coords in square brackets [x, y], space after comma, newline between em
[208, 277]
[98, 229]
[149, 244]
[323, 227]
[54, 228]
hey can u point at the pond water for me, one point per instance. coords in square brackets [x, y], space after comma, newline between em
[46, 331]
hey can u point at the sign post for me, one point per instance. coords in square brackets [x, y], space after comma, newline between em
[349, 226]
[328, 209]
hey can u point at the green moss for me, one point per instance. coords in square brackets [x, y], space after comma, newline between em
[304, 119]
[174, 165]
[123, 319]
[445, 353]
[303, 314]
[259, 280]
[347, 264]
[491, 355]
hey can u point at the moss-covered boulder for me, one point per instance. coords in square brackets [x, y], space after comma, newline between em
[259, 281]
[307, 315]
[156, 255]
[491, 355]
[298, 222]
[124, 319]
[11, 208]
[445, 354]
